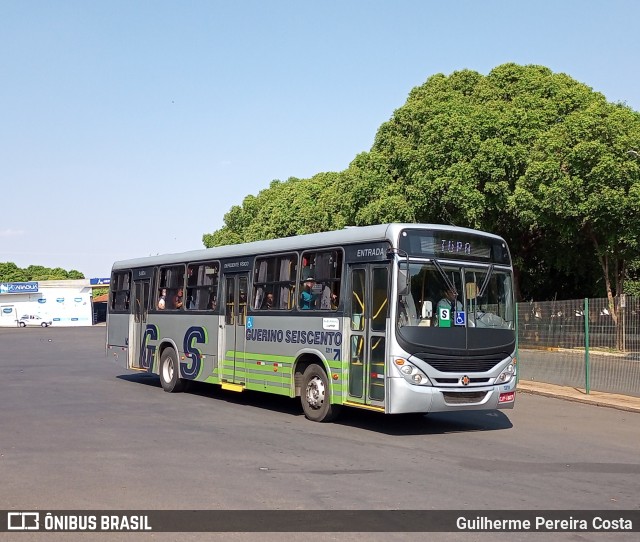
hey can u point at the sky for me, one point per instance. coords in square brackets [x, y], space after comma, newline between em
[129, 128]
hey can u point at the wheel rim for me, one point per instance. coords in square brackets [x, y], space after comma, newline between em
[315, 392]
[167, 370]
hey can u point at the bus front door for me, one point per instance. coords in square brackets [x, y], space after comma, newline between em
[368, 311]
[138, 322]
[235, 317]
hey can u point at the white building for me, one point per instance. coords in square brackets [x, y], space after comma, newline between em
[64, 302]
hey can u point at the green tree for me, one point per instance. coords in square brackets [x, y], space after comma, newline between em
[37, 272]
[57, 273]
[632, 283]
[96, 292]
[478, 151]
[582, 184]
[458, 147]
[75, 275]
[10, 272]
[294, 207]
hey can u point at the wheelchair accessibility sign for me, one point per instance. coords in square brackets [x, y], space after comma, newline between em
[461, 318]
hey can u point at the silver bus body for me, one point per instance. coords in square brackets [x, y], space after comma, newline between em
[376, 337]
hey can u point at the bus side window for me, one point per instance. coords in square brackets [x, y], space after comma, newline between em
[170, 287]
[120, 287]
[202, 286]
[320, 279]
[274, 282]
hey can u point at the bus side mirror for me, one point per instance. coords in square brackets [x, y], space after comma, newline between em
[404, 282]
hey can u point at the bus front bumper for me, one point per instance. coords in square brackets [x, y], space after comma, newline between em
[405, 397]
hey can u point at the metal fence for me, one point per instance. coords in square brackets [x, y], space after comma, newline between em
[581, 343]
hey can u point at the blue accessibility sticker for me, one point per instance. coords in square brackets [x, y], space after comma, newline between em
[461, 318]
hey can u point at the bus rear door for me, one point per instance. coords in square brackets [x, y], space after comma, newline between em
[138, 322]
[235, 319]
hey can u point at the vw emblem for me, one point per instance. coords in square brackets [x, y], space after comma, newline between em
[465, 380]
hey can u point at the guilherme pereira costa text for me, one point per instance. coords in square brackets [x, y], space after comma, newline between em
[541, 523]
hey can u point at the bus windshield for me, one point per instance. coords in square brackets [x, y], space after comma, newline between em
[445, 295]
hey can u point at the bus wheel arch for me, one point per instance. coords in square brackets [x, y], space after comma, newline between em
[169, 371]
[315, 391]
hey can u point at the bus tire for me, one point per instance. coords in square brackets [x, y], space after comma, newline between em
[315, 396]
[170, 372]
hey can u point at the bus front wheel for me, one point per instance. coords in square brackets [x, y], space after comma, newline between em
[170, 372]
[316, 400]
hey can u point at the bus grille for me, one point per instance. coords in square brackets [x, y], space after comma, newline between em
[461, 365]
[464, 398]
[457, 380]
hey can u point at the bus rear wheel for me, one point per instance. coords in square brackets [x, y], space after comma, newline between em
[170, 372]
[315, 396]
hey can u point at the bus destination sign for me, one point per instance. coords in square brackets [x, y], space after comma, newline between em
[371, 252]
[453, 245]
[236, 266]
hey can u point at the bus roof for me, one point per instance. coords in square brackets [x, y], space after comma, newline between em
[346, 236]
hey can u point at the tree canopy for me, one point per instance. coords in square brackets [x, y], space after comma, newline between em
[529, 154]
[10, 272]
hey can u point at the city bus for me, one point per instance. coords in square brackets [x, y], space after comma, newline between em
[393, 318]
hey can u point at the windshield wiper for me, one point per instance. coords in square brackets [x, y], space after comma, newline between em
[449, 284]
[486, 281]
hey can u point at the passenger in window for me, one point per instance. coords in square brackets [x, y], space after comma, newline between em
[213, 302]
[177, 300]
[268, 302]
[308, 298]
[162, 302]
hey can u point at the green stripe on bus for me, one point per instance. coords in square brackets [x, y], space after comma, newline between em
[269, 357]
[281, 381]
[334, 365]
[277, 390]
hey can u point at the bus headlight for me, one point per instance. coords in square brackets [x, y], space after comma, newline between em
[507, 375]
[411, 373]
